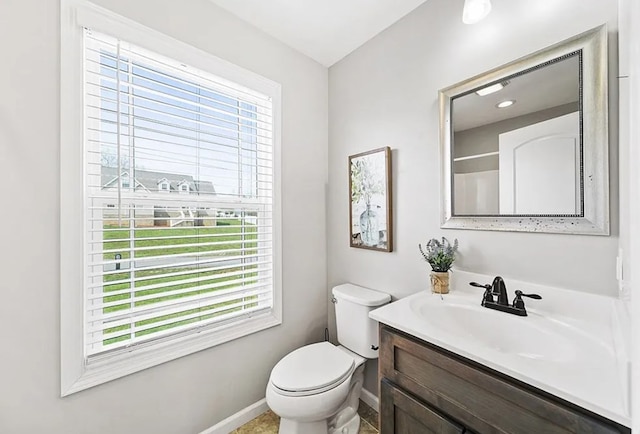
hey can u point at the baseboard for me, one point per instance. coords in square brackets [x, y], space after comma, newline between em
[370, 399]
[240, 418]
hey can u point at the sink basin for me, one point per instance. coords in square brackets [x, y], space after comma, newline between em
[509, 334]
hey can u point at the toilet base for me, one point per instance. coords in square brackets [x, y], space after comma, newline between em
[288, 426]
[350, 426]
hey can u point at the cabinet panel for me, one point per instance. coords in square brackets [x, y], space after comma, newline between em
[403, 414]
[477, 398]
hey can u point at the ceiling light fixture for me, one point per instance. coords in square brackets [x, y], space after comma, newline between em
[506, 103]
[475, 10]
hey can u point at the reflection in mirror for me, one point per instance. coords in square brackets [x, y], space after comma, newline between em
[524, 147]
[516, 144]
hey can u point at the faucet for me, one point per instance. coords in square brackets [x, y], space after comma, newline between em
[499, 289]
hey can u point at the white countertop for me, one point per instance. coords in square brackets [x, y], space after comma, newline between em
[571, 345]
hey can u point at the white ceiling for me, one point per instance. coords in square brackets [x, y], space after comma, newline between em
[325, 30]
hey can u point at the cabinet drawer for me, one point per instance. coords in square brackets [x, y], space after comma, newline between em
[480, 400]
[403, 414]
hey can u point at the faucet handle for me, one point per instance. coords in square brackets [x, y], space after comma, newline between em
[534, 296]
[488, 296]
[519, 303]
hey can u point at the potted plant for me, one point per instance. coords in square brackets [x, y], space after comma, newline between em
[440, 255]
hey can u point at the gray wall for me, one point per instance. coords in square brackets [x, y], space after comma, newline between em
[386, 94]
[186, 395]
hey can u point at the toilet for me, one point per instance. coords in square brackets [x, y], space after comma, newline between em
[316, 389]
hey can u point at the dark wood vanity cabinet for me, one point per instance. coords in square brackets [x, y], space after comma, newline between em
[425, 389]
[402, 413]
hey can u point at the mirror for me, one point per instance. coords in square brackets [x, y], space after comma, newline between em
[524, 147]
[528, 125]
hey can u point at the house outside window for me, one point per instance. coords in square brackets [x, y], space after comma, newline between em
[164, 275]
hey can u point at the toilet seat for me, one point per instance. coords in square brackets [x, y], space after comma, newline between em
[312, 369]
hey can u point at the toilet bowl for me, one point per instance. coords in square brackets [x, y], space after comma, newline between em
[316, 388]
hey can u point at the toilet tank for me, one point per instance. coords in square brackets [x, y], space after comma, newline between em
[356, 331]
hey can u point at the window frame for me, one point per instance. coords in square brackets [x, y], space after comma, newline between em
[76, 374]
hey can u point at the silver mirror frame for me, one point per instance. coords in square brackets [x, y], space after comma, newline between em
[595, 142]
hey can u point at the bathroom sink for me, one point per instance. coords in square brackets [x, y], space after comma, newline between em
[570, 344]
[526, 337]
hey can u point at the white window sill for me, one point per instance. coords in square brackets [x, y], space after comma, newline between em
[122, 364]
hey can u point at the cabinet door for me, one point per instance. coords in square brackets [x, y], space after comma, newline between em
[400, 413]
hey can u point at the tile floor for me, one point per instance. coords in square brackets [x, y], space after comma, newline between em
[267, 423]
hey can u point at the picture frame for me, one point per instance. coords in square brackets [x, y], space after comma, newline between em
[370, 205]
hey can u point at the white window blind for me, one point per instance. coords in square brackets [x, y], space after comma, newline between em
[178, 199]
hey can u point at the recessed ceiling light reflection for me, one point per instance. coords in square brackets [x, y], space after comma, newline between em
[493, 88]
[490, 89]
[506, 103]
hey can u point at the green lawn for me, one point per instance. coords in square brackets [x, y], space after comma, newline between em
[172, 241]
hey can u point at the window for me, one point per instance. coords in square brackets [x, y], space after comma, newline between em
[163, 185]
[172, 276]
[168, 274]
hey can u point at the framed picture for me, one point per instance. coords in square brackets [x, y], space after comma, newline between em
[370, 200]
